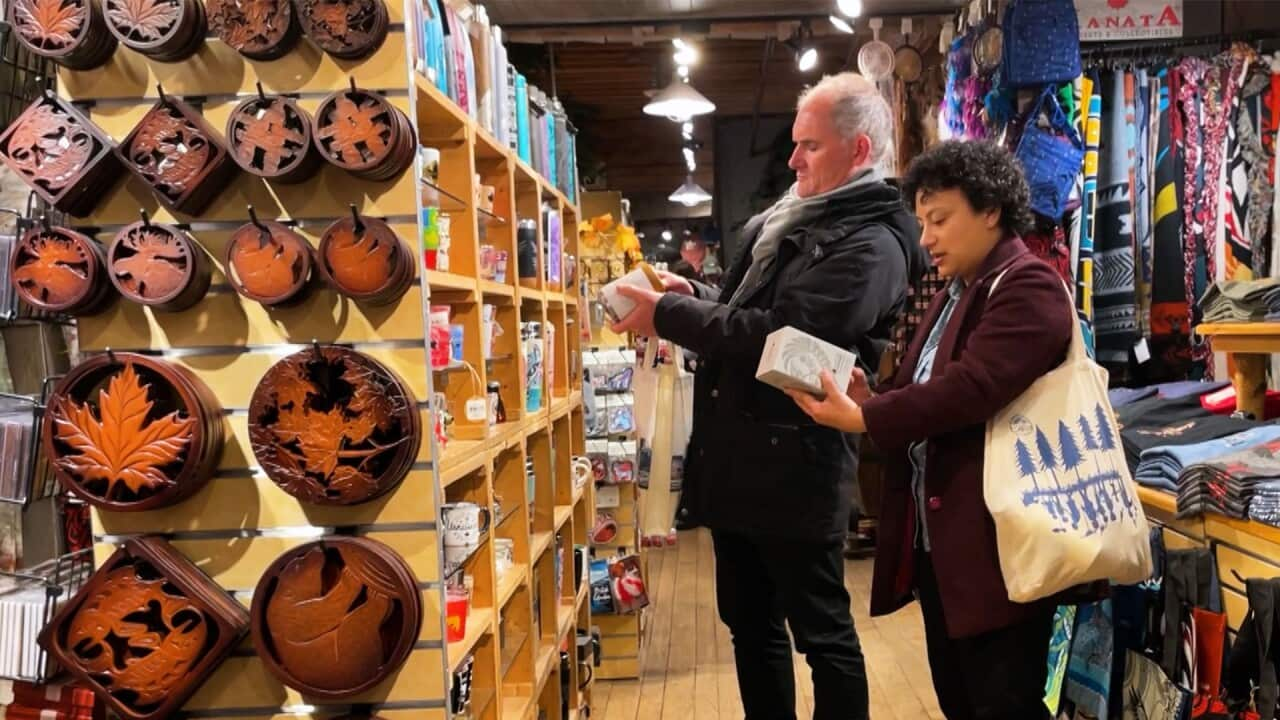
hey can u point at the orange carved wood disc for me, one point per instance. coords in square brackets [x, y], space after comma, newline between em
[369, 263]
[268, 263]
[271, 138]
[60, 154]
[71, 32]
[164, 30]
[159, 265]
[348, 29]
[145, 630]
[257, 29]
[335, 617]
[60, 270]
[333, 426]
[175, 151]
[128, 432]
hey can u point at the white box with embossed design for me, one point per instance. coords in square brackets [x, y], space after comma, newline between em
[792, 360]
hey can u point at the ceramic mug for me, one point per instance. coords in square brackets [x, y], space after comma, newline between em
[455, 556]
[463, 524]
[582, 471]
[430, 164]
[504, 554]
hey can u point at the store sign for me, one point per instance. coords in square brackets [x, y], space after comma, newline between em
[1102, 20]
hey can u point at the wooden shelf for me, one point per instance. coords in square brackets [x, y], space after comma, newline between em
[516, 707]
[575, 399]
[504, 436]
[544, 666]
[1163, 501]
[511, 582]
[435, 108]
[479, 623]
[563, 513]
[559, 407]
[582, 595]
[488, 147]
[541, 541]
[449, 282]
[514, 646]
[564, 618]
[490, 288]
[461, 458]
[579, 493]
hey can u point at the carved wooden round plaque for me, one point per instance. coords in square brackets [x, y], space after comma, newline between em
[366, 262]
[268, 263]
[334, 427]
[335, 617]
[159, 265]
[364, 134]
[72, 33]
[271, 137]
[163, 30]
[347, 29]
[59, 270]
[130, 432]
[257, 29]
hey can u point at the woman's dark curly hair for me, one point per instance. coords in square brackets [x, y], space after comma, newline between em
[986, 173]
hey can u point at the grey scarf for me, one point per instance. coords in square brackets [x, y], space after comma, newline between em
[789, 213]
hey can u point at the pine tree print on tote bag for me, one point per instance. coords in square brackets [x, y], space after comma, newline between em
[1057, 486]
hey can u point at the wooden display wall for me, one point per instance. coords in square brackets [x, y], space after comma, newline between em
[241, 521]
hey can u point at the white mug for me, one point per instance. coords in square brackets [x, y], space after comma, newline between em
[581, 471]
[455, 556]
[504, 555]
[430, 164]
[463, 523]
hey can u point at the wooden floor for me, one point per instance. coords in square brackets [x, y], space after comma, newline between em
[688, 667]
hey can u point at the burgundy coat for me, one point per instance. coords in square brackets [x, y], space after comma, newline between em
[992, 350]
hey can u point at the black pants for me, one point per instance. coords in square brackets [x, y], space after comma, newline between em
[998, 675]
[760, 584]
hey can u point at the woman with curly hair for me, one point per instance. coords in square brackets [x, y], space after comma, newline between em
[981, 344]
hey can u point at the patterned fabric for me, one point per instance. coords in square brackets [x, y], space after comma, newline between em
[1051, 246]
[1244, 150]
[924, 370]
[1115, 312]
[1144, 229]
[1092, 91]
[1191, 79]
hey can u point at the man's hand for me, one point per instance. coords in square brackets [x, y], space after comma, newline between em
[838, 410]
[676, 284]
[640, 321]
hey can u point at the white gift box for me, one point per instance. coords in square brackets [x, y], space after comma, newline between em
[792, 360]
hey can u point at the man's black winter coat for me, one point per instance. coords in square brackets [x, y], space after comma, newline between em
[756, 464]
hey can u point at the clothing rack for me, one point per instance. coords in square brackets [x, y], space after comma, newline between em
[1142, 48]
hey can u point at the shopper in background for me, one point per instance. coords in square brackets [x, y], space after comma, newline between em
[834, 258]
[976, 351]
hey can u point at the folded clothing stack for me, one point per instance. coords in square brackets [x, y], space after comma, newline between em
[1162, 466]
[1264, 507]
[1141, 422]
[1226, 484]
[1223, 402]
[1230, 301]
[50, 702]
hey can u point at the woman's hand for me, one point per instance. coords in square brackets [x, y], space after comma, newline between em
[859, 388]
[839, 410]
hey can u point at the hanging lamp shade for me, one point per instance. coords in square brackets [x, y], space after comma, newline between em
[690, 194]
[680, 101]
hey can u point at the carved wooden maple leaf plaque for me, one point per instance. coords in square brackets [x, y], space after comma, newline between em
[60, 154]
[363, 133]
[257, 29]
[159, 265]
[59, 270]
[145, 630]
[175, 151]
[333, 426]
[165, 30]
[128, 432]
[271, 137]
[348, 29]
[334, 618]
[70, 32]
[268, 262]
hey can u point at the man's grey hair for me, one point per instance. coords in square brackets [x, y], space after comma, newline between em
[858, 108]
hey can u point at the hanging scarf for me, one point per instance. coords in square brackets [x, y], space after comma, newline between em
[1247, 185]
[1170, 309]
[1142, 180]
[1115, 314]
[1092, 98]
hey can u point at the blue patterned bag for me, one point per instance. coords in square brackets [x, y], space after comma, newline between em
[1052, 156]
[1041, 43]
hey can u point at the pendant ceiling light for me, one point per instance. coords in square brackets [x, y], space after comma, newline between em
[690, 194]
[679, 101]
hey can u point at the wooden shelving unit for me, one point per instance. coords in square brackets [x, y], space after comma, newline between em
[241, 521]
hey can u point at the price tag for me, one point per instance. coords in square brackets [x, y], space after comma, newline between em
[477, 410]
[1141, 352]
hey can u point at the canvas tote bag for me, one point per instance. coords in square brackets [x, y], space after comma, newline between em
[1055, 481]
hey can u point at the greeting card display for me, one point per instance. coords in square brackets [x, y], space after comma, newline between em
[268, 262]
[130, 432]
[72, 33]
[364, 134]
[260, 30]
[61, 155]
[145, 631]
[58, 270]
[270, 136]
[179, 155]
[163, 30]
[159, 265]
[334, 427]
[335, 617]
[364, 259]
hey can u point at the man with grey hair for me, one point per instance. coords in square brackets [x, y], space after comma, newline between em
[834, 257]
